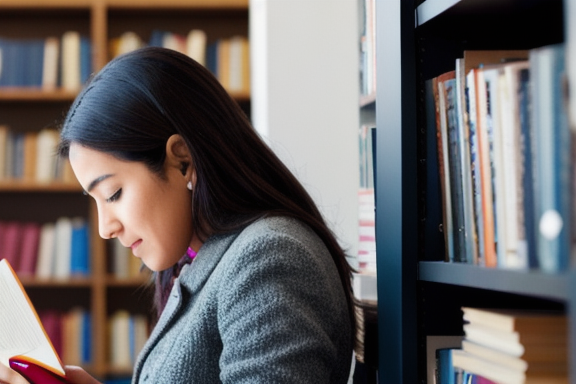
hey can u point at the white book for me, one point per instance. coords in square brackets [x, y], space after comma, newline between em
[71, 79]
[62, 254]
[45, 262]
[46, 144]
[196, 45]
[50, 65]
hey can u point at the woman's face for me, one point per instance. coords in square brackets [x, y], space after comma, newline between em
[146, 213]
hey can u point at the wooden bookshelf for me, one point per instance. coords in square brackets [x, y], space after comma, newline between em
[26, 109]
[419, 293]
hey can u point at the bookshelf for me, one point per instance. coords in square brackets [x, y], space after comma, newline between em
[29, 109]
[419, 293]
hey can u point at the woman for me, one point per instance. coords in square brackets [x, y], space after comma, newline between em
[251, 285]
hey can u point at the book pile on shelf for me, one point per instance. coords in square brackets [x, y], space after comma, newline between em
[128, 334]
[507, 347]
[227, 58]
[57, 250]
[70, 333]
[31, 156]
[504, 159]
[46, 63]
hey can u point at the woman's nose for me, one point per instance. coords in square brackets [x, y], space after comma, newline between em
[108, 225]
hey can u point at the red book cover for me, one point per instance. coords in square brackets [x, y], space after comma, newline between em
[10, 244]
[29, 249]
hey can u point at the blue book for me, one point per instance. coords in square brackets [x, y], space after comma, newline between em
[527, 142]
[445, 373]
[552, 189]
[212, 57]
[86, 337]
[85, 59]
[80, 253]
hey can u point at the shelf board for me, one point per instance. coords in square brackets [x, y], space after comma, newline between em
[430, 9]
[35, 94]
[72, 282]
[138, 281]
[527, 283]
[33, 186]
[197, 4]
[20, 4]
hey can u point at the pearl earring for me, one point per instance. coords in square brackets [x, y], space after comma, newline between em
[189, 185]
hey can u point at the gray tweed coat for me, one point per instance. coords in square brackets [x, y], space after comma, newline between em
[261, 306]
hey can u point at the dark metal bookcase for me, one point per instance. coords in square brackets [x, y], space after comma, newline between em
[418, 293]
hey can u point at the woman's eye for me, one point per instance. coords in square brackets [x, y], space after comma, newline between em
[115, 196]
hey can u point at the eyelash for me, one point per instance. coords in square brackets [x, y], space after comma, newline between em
[115, 196]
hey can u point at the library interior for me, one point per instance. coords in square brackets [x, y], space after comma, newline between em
[437, 139]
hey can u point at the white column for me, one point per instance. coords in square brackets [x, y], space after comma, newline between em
[305, 91]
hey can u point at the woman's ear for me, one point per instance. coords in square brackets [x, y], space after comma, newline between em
[178, 155]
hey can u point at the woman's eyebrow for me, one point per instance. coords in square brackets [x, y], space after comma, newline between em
[97, 181]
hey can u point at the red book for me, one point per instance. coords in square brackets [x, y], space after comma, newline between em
[29, 249]
[10, 243]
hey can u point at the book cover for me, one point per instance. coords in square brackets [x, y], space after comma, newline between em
[435, 217]
[29, 249]
[444, 165]
[79, 248]
[466, 165]
[552, 159]
[196, 41]
[455, 165]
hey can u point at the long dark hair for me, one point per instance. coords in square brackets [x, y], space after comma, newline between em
[138, 100]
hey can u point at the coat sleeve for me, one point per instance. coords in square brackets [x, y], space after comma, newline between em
[282, 315]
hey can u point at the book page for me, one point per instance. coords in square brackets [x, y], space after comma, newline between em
[20, 330]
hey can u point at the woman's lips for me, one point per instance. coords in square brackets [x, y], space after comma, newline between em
[134, 246]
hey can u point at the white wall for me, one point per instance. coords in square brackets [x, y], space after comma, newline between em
[305, 82]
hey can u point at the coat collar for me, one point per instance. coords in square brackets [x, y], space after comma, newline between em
[192, 277]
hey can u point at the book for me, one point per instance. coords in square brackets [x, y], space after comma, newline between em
[62, 247]
[10, 242]
[467, 164]
[196, 41]
[79, 248]
[29, 249]
[510, 320]
[50, 63]
[70, 63]
[498, 373]
[444, 164]
[46, 251]
[433, 346]
[23, 335]
[552, 158]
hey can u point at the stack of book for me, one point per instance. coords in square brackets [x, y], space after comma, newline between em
[46, 63]
[508, 347]
[31, 156]
[227, 58]
[504, 158]
[128, 334]
[58, 249]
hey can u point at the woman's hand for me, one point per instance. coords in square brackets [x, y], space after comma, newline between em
[77, 375]
[9, 376]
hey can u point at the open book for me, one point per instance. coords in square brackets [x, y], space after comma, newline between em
[22, 335]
